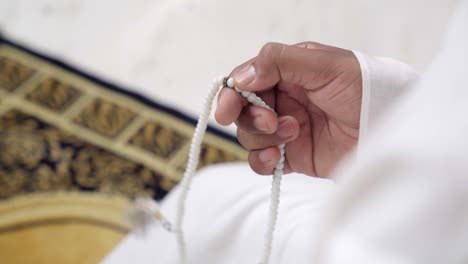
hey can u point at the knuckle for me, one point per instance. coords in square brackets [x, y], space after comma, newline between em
[241, 67]
[271, 54]
[271, 49]
[312, 44]
[236, 70]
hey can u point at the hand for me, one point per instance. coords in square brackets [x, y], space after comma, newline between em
[316, 91]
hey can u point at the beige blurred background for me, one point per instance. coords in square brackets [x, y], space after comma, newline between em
[170, 50]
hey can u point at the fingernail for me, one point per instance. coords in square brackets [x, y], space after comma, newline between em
[261, 124]
[264, 157]
[245, 76]
[284, 129]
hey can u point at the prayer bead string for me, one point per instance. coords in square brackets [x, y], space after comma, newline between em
[142, 212]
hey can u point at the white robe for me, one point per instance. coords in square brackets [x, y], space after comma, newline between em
[403, 198]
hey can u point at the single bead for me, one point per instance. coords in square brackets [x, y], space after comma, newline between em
[251, 98]
[246, 94]
[278, 172]
[238, 90]
[259, 104]
[279, 166]
[230, 82]
[281, 151]
[281, 160]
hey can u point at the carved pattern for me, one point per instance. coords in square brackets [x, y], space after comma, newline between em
[54, 94]
[38, 156]
[105, 117]
[35, 156]
[158, 139]
[12, 73]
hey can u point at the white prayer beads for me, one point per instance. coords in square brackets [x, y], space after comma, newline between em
[251, 97]
[230, 83]
[144, 210]
[277, 173]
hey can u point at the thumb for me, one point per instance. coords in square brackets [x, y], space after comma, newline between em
[279, 62]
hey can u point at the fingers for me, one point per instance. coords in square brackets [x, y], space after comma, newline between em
[264, 154]
[288, 130]
[264, 161]
[278, 62]
[230, 103]
[257, 120]
[232, 106]
[229, 106]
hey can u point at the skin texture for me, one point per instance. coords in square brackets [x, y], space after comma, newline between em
[316, 91]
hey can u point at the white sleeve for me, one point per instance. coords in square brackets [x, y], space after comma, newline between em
[383, 81]
[225, 220]
[406, 199]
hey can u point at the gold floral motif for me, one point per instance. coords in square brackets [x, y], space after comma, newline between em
[22, 147]
[107, 118]
[38, 157]
[13, 181]
[158, 139]
[54, 94]
[45, 178]
[12, 73]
